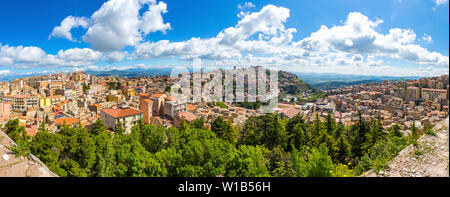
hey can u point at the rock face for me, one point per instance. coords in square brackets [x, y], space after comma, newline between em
[12, 166]
[430, 158]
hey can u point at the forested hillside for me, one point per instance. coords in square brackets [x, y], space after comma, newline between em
[266, 146]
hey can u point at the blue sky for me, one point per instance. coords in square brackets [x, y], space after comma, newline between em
[386, 37]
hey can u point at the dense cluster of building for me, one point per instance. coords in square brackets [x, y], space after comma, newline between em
[80, 99]
[421, 101]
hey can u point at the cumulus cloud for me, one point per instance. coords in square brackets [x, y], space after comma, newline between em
[22, 54]
[31, 56]
[268, 21]
[354, 44]
[77, 54]
[5, 72]
[440, 2]
[152, 20]
[231, 42]
[70, 22]
[194, 47]
[117, 24]
[357, 35]
[258, 38]
[115, 56]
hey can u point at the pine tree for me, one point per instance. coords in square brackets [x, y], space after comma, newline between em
[331, 124]
[344, 150]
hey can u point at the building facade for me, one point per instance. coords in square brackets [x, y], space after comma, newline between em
[127, 116]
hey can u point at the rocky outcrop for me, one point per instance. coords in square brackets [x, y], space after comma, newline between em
[430, 158]
[12, 166]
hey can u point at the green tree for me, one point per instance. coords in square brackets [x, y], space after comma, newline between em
[224, 130]
[344, 150]
[184, 126]
[15, 131]
[48, 147]
[250, 161]
[330, 124]
[375, 134]
[119, 128]
[22, 149]
[298, 138]
[98, 127]
[414, 136]
[105, 160]
[394, 131]
[153, 138]
[198, 123]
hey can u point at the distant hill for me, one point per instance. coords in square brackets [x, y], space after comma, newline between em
[338, 84]
[327, 81]
[290, 83]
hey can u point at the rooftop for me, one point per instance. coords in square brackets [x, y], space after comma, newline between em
[122, 112]
[68, 121]
[188, 116]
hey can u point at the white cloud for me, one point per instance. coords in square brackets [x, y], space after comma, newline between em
[268, 21]
[6, 61]
[195, 47]
[358, 36]
[22, 54]
[115, 56]
[231, 42]
[5, 72]
[259, 38]
[152, 20]
[63, 31]
[355, 46]
[117, 24]
[246, 5]
[243, 14]
[440, 2]
[31, 56]
[427, 38]
[77, 54]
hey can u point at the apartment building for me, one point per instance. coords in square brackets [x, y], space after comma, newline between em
[21, 103]
[172, 106]
[431, 94]
[412, 93]
[146, 106]
[127, 116]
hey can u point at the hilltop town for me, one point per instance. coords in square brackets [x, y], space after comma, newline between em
[78, 98]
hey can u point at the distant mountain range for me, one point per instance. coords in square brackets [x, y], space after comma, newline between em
[328, 81]
[323, 81]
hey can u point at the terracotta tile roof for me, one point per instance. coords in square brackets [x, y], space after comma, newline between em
[157, 95]
[84, 123]
[148, 100]
[291, 112]
[188, 116]
[32, 130]
[191, 107]
[69, 121]
[119, 112]
[145, 94]
[171, 98]
[56, 96]
[18, 96]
